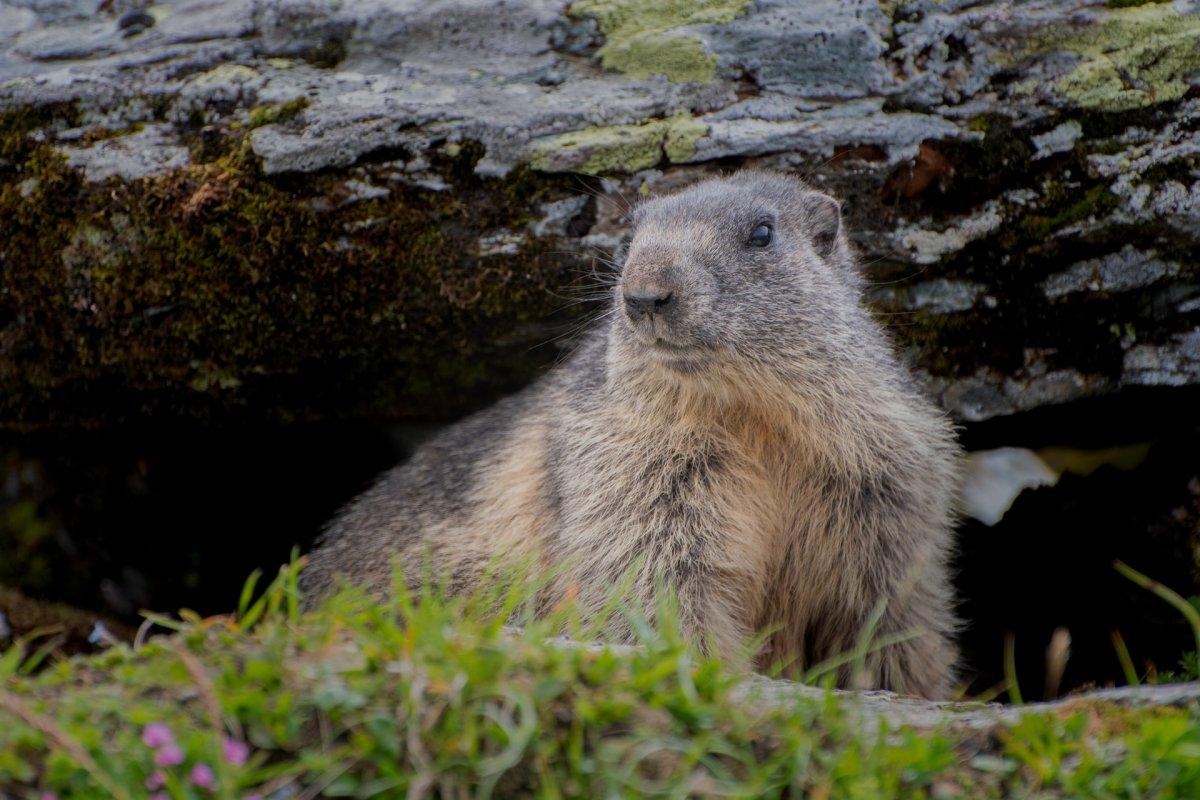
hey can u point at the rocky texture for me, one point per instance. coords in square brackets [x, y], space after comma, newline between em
[877, 707]
[292, 208]
[963, 717]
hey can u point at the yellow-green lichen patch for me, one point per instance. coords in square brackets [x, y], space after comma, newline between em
[621, 148]
[226, 73]
[1136, 58]
[641, 37]
[680, 142]
[681, 58]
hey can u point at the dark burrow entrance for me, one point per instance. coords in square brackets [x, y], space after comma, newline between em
[1048, 563]
[112, 523]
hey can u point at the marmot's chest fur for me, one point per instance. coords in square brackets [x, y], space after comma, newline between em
[739, 433]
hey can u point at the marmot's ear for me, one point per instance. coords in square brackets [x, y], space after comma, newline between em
[823, 221]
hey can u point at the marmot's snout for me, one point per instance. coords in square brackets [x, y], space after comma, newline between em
[647, 300]
[662, 299]
[658, 305]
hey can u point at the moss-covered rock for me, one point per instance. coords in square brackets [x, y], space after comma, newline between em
[300, 210]
[213, 288]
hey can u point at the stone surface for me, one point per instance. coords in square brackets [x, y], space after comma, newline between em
[894, 711]
[138, 155]
[878, 707]
[1023, 181]
[1057, 140]
[1128, 268]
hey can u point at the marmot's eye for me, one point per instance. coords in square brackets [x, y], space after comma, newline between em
[761, 237]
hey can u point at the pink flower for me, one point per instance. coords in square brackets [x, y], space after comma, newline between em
[157, 735]
[253, 797]
[235, 752]
[157, 780]
[202, 776]
[159, 796]
[168, 756]
[53, 796]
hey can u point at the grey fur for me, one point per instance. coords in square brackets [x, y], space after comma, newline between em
[756, 446]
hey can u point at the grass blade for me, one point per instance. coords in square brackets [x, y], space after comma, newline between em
[1165, 593]
[1010, 669]
[1131, 676]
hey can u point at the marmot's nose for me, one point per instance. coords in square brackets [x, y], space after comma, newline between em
[646, 300]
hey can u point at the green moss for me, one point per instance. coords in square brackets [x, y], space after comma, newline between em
[1095, 202]
[217, 291]
[641, 39]
[1137, 57]
[621, 148]
[276, 112]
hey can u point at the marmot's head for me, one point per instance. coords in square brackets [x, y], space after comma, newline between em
[750, 270]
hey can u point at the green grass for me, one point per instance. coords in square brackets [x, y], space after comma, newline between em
[438, 697]
[1189, 609]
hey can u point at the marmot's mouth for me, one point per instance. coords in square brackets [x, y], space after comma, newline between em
[685, 358]
[671, 347]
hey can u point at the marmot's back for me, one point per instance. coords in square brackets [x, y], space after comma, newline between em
[739, 431]
[411, 511]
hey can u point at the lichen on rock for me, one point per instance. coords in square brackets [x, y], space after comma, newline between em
[1134, 58]
[167, 192]
[620, 148]
[643, 37]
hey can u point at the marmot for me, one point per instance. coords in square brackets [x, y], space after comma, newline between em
[738, 429]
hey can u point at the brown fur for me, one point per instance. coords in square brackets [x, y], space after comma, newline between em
[756, 447]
